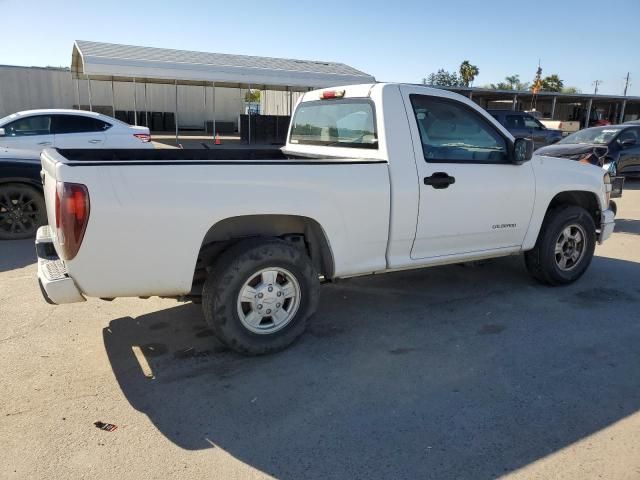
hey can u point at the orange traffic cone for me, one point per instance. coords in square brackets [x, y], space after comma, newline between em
[218, 142]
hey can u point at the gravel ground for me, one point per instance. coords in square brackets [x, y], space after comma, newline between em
[452, 372]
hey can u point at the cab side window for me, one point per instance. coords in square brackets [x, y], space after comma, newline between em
[78, 124]
[515, 122]
[628, 134]
[29, 126]
[451, 132]
[530, 122]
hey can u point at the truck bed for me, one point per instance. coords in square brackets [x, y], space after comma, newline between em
[158, 207]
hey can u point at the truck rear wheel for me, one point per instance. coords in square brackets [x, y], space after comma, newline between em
[22, 211]
[564, 248]
[259, 295]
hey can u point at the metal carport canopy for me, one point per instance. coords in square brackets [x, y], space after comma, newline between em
[114, 62]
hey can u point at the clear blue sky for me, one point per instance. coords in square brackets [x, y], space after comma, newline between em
[581, 41]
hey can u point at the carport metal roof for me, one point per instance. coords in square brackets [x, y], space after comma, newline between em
[113, 62]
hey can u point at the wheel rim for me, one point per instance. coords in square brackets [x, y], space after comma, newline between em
[268, 300]
[571, 246]
[19, 212]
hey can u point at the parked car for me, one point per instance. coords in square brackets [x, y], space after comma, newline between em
[372, 179]
[632, 122]
[22, 208]
[38, 129]
[615, 147]
[524, 125]
[567, 127]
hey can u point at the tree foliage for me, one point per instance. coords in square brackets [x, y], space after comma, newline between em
[571, 90]
[468, 73]
[552, 83]
[442, 78]
[512, 82]
[252, 96]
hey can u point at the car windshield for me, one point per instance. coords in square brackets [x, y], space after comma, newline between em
[593, 136]
[4, 120]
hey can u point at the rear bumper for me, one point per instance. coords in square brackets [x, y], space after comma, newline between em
[607, 224]
[56, 285]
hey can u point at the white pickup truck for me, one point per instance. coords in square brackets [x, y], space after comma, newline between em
[373, 179]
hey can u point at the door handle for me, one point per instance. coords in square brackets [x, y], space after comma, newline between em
[95, 141]
[439, 180]
[44, 143]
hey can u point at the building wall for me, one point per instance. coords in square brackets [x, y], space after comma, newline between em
[25, 88]
[277, 102]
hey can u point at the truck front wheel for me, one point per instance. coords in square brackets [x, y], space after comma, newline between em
[259, 294]
[564, 248]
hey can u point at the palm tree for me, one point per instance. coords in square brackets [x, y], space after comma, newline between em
[468, 73]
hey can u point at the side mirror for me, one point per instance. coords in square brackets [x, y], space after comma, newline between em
[627, 142]
[2, 132]
[522, 151]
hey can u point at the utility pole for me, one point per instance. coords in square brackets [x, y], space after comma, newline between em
[626, 85]
[596, 83]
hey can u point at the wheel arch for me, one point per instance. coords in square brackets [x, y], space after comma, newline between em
[303, 231]
[22, 181]
[581, 198]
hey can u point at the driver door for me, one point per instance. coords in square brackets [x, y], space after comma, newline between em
[472, 199]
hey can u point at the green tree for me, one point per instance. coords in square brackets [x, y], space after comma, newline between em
[252, 96]
[442, 78]
[468, 73]
[571, 90]
[512, 82]
[552, 83]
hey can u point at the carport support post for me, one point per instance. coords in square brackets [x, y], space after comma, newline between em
[135, 102]
[89, 89]
[553, 106]
[78, 92]
[146, 109]
[176, 112]
[290, 100]
[249, 117]
[213, 107]
[587, 114]
[113, 99]
[515, 102]
[624, 106]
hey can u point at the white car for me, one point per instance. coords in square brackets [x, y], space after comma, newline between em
[61, 128]
[373, 179]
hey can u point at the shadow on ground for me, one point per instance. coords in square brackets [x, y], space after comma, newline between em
[625, 225]
[452, 372]
[16, 254]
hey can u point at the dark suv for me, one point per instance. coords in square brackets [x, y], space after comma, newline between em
[523, 125]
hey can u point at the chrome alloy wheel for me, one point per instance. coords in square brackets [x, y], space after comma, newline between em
[268, 300]
[570, 247]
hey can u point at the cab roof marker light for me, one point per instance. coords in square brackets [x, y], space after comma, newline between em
[331, 94]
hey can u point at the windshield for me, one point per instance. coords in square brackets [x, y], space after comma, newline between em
[592, 136]
[7, 118]
[343, 123]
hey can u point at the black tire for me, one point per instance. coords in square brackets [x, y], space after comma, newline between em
[542, 261]
[22, 211]
[226, 279]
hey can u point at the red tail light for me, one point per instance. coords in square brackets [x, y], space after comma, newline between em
[72, 215]
[330, 94]
[143, 137]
